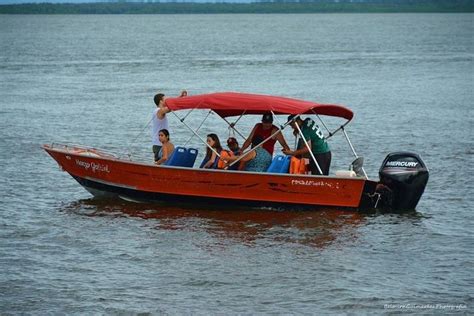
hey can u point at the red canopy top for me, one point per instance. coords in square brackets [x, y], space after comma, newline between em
[233, 103]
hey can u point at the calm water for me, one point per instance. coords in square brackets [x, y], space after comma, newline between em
[90, 80]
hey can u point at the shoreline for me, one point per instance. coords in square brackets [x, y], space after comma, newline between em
[234, 8]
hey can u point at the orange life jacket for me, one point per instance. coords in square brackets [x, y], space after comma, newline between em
[298, 166]
[224, 155]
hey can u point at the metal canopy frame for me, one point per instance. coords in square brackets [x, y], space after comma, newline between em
[279, 129]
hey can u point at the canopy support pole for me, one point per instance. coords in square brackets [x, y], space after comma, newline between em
[327, 128]
[259, 145]
[187, 114]
[307, 145]
[231, 125]
[195, 133]
[337, 130]
[199, 127]
[279, 123]
[273, 114]
[322, 122]
[352, 148]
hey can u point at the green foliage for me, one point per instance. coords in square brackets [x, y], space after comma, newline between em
[260, 7]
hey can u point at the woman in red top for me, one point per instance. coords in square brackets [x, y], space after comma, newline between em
[265, 130]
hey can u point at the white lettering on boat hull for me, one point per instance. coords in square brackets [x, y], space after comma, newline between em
[315, 183]
[94, 167]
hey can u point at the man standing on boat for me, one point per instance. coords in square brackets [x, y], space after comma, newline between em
[159, 122]
[317, 143]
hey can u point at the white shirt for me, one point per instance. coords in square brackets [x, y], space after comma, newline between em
[158, 125]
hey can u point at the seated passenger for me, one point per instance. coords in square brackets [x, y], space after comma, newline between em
[235, 148]
[166, 149]
[210, 161]
[258, 160]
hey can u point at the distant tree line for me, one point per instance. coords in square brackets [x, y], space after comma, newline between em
[273, 6]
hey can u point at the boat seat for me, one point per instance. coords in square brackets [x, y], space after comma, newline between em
[191, 156]
[280, 164]
[177, 157]
[182, 157]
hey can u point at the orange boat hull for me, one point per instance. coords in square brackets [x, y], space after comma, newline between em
[103, 174]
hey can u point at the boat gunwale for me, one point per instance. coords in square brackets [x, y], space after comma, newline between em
[114, 158]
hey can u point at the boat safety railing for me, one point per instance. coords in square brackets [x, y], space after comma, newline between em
[129, 152]
[72, 148]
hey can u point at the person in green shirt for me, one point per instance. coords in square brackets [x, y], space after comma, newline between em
[316, 141]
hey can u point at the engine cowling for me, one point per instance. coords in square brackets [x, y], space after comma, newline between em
[403, 178]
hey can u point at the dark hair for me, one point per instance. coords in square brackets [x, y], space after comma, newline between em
[294, 119]
[232, 140]
[217, 144]
[267, 118]
[158, 97]
[166, 132]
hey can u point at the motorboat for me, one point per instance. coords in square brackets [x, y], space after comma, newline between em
[402, 177]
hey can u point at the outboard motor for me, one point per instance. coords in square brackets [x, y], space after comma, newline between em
[403, 178]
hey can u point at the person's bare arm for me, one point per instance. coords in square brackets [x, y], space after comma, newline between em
[211, 161]
[281, 139]
[162, 112]
[247, 157]
[248, 141]
[298, 152]
[167, 150]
